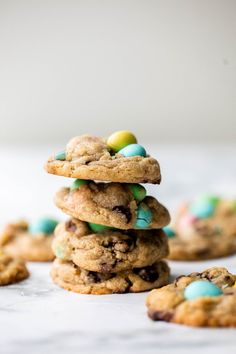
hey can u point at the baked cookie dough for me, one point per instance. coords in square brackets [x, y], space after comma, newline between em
[203, 229]
[12, 270]
[108, 250]
[30, 242]
[92, 158]
[112, 204]
[70, 277]
[206, 299]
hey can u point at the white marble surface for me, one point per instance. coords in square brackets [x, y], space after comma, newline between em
[38, 317]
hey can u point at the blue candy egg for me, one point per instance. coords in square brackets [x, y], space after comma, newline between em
[43, 226]
[133, 150]
[169, 231]
[144, 217]
[203, 208]
[201, 288]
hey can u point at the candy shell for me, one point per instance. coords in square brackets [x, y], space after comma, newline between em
[169, 231]
[120, 139]
[98, 227]
[203, 207]
[144, 217]
[133, 150]
[60, 156]
[44, 226]
[77, 183]
[138, 191]
[59, 252]
[201, 288]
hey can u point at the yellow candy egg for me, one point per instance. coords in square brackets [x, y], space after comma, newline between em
[120, 139]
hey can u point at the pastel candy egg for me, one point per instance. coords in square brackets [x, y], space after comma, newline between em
[60, 156]
[186, 221]
[133, 150]
[201, 288]
[120, 139]
[144, 217]
[203, 207]
[43, 226]
[59, 252]
[77, 183]
[138, 191]
[98, 227]
[169, 231]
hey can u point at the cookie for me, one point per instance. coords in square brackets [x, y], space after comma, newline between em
[112, 204]
[206, 299]
[108, 250]
[70, 277]
[199, 236]
[12, 270]
[91, 158]
[31, 242]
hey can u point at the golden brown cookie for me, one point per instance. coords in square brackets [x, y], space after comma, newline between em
[199, 236]
[206, 299]
[17, 241]
[12, 270]
[71, 277]
[89, 157]
[108, 250]
[112, 204]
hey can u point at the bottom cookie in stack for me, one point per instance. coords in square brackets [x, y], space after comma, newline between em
[71, 277]
[108, 261]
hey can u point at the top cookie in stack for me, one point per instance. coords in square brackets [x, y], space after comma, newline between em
[118, 159]
[113, 243]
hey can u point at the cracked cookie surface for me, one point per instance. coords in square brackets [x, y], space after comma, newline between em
[89, 157]
[12, 270]
[204, 238]
[110, 204]
[110, 250]
[16, 240]
[70, 277]
[170, 304]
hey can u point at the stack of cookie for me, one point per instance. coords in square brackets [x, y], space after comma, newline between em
[113, 241]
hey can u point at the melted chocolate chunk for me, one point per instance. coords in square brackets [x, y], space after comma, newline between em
[123, 210]
[148, 273]
[70, 226]
[95, 277]
[160, 316]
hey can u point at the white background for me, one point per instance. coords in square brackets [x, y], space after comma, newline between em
[165, 69]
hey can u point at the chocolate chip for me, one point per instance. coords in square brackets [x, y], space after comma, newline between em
[177, 279]
[120, 246]
[160, 315]
[148, 273]
[123, 210]
[95, 277]
[70, 226]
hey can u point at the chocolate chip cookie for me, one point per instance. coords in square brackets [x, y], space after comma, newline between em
[206, 299]
[108, 250]
[12, 270]
[71, 277]
[203, 229]
[31, 242]
[112, 204]
[92, 158]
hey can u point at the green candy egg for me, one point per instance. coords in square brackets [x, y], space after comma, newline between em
[138, 191]
[120, 139]
[169, 231]
[98, 227]
[60, 156]
[44, 226]
[77, 183]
